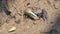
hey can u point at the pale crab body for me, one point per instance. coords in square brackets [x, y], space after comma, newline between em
[29, 13]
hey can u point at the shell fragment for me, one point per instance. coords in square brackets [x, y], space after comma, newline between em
[13, 28]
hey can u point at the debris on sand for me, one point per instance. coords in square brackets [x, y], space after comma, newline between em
[13, 28]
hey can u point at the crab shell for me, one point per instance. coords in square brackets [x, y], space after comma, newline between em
[30, 13]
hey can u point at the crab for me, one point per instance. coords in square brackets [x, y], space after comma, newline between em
[33, 13]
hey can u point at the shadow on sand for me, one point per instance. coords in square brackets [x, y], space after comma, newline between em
[56, 27]
[3, 7]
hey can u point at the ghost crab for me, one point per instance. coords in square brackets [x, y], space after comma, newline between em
[35, 13]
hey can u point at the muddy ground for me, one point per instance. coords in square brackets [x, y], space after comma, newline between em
[27, 25]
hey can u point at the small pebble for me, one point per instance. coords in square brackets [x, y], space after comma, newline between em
[17, 21]
[28, 4]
